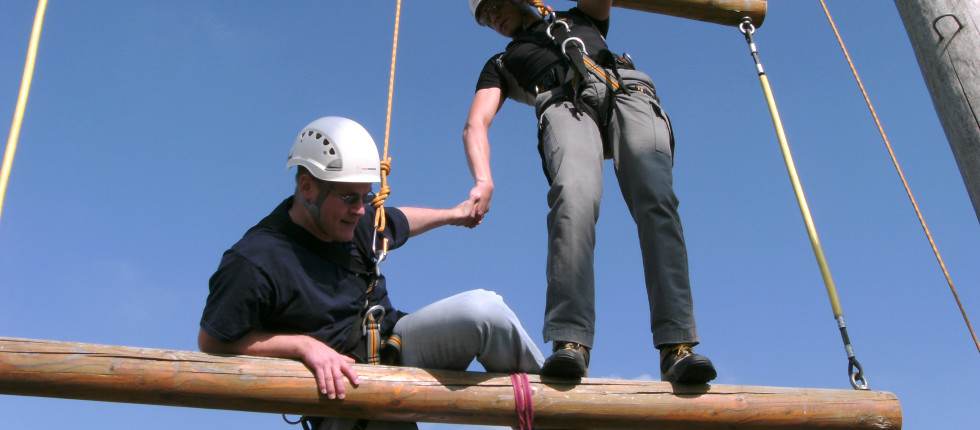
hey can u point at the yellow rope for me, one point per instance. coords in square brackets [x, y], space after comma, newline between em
[25, 88]
[379, 200]
[542, 8]
[902, 176]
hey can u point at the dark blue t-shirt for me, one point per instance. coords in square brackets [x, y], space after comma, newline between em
[278, 278]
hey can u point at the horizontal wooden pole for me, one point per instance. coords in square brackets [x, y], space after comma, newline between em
[192, 379]
[725, 12]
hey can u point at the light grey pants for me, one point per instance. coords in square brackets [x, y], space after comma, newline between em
[639, 140]
[451, 333]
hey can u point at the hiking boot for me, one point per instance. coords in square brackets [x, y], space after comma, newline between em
[679, 363]
[569, 360]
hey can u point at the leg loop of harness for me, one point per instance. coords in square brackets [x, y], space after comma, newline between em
[371, 330]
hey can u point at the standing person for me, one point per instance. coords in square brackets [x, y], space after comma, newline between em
[303, 284]
[590, 105]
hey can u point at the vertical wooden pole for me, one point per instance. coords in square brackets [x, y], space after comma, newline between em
[946, 41]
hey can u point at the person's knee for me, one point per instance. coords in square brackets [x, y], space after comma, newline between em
[483, 307]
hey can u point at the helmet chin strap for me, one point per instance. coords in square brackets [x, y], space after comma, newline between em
[314, 207]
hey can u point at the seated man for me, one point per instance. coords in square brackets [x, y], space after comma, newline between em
[303, 284]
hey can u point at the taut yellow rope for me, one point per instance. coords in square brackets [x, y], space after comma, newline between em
[901, 175]
[379, 200]
[25, 88]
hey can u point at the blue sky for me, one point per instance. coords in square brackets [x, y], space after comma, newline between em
[157, 133]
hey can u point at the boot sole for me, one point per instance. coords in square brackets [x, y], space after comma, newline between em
[694, 370]
[565, 364]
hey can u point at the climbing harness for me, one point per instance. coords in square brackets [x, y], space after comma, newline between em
[854, 369]
[25, 89]
[901, 175]
[574, 50]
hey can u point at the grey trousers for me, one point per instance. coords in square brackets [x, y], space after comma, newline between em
[639, 141]
[451, 333]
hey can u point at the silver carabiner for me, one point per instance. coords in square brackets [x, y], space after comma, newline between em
[550, 17]
[567, 28]
[574, 39]
[379, 257]
[372, 310]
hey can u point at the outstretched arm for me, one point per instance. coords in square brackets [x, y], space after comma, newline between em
[421, 220]
[329, 366]
[597, 9]
[485, 105]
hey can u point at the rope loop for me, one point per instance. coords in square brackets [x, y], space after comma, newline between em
[523, 400]
[379, 198]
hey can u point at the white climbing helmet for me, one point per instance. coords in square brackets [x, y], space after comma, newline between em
[336, 149]
[475, 9]
[475, 6]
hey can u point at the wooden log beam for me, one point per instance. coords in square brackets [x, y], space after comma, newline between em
[725, 12]
[192, 379]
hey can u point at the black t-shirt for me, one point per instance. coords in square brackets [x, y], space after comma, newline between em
[276, 279]
[532, 53]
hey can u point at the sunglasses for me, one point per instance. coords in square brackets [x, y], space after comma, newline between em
[352, 198]
[490, 6]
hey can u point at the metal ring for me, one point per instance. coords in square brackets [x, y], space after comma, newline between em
[550, 17]
[371, 311]
[746, 26]
[567, 28]
[858, 381]
[575, 39]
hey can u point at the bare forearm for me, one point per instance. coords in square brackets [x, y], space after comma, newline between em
[486, 103]
[258, 343]
[330, 368]
[421, 220]
[477, 149]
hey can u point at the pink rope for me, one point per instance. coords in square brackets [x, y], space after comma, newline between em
[523, 400]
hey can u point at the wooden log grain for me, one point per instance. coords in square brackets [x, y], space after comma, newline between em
[82, 371]
[725, 12]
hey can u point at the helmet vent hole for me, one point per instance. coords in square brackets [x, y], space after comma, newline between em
[318, 136]
[332, 152]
